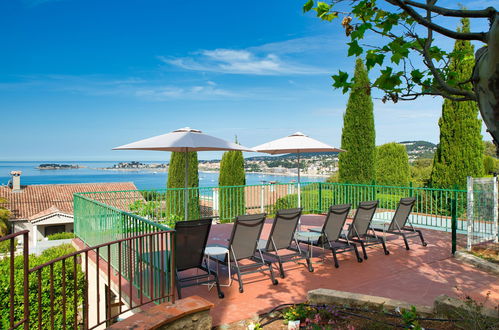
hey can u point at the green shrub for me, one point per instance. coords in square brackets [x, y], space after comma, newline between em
[491, 165]
[286, 202]
[309, 200]
[420, 176]
[4, 218]
[46, 256]
[333, 178]
[57, 236]
[153, 195]
[392, 165]
[149, 210]
[389, 201]
[5, 246]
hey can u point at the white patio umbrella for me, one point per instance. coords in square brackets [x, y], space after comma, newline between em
[183, 140]
[295, 143]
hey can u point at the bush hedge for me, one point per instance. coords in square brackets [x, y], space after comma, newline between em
[46, 256]
[64, 235]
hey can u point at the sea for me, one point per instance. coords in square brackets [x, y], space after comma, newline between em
[92, 171]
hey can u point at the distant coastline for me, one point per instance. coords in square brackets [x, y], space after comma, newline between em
[149, 169]
[293, 174]
[138, 166]
[165, 170]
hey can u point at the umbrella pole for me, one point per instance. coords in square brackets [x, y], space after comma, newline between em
[299, 184]
[299, 190]
[186, 185]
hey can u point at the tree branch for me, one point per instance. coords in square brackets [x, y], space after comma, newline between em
[402, 4]
[411, 97]
[484, 13]
[448, 91]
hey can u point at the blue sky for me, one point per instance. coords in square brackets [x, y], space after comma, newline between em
[78, 77]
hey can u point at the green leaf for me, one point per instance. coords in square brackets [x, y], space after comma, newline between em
[354, 49]
[329, 17]
[373, 58]
[322, 8]
[341, 81]
[417, 76]
[436, 53]
[390, 20]
[388, 81]
[360, 30]
[400, 49]
[308, 6]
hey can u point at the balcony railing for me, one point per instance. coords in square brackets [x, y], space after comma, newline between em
[434, 208]
[124, 263]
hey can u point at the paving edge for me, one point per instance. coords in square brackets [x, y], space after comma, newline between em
[477, 262]
[328, 296]
[445, 305]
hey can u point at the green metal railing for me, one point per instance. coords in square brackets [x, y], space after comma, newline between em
[434, 208]
[143, 262]
[119, 214]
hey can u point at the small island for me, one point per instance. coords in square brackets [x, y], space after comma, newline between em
[133, 166]
[58, 166]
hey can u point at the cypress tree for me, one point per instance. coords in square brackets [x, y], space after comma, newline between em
[460, 151]
[176, 179]
[231, 200]
[392, 165]
[356, 165]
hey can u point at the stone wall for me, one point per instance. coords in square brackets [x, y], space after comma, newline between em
[188, 313]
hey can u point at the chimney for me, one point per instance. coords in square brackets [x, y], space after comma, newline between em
[16, 180]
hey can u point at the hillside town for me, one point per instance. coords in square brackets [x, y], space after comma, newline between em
[311, 164]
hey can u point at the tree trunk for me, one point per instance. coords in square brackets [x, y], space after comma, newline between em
[486, 81]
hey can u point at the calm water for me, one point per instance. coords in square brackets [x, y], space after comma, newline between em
[143, 179]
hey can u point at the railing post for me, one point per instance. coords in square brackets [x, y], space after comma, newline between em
[373, 183]
[411, 190]
[26, 279]
[469, 212]
[495, 215]
[262, 191]
[320, 197]
[454, 220]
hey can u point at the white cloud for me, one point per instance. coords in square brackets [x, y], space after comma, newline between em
[248, 62]
[334, 42]
[165, 93]
[98, 85]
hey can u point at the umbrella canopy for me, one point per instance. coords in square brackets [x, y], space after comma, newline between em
[183, 140]
[295, 143]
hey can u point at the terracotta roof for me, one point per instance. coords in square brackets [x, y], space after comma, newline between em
[33, 200]
[51, 210]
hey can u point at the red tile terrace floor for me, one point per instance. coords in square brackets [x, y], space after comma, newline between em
[416, 276]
